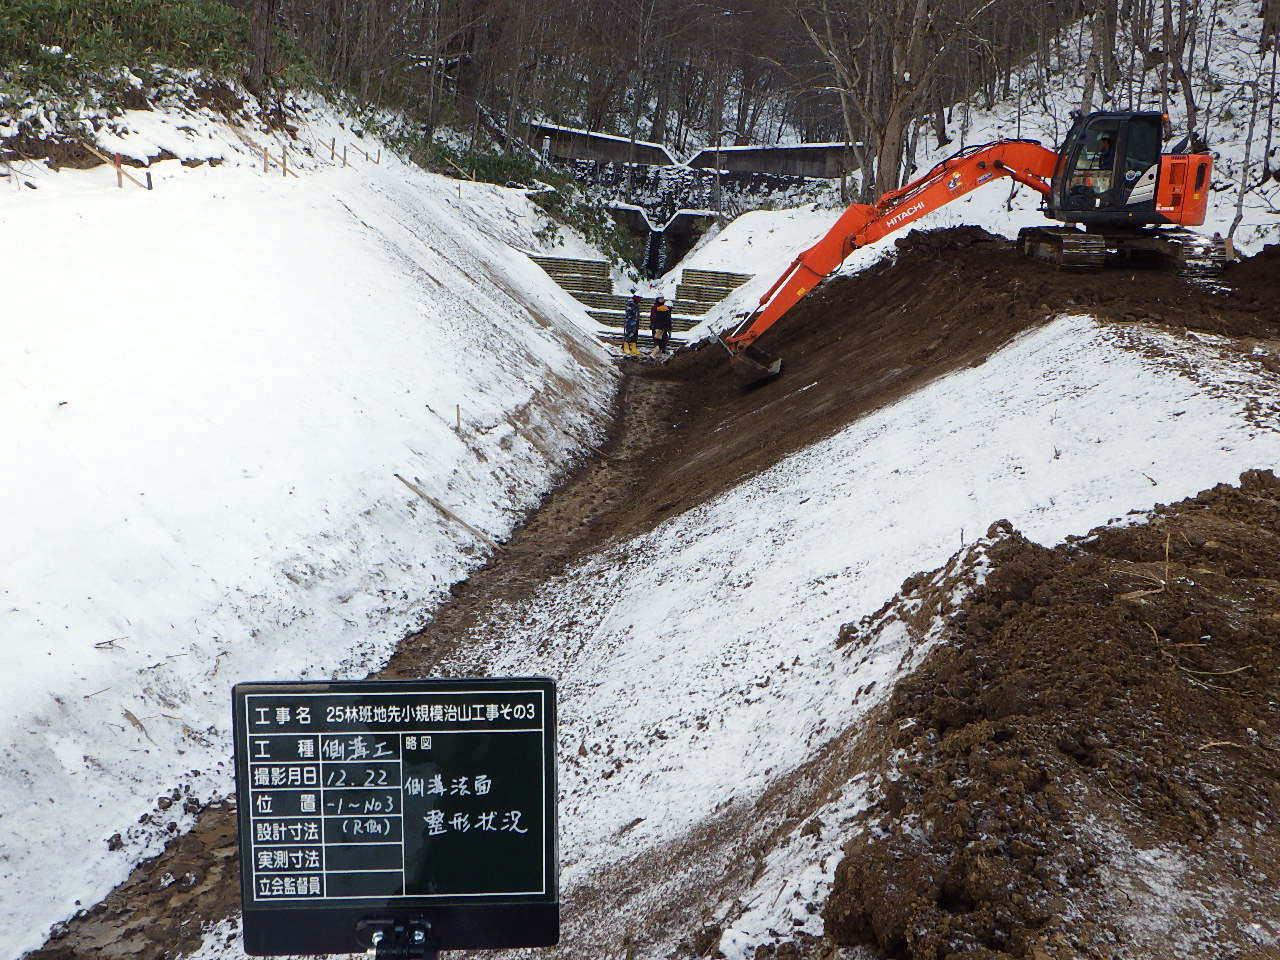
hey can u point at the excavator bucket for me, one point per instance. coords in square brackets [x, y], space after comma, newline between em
[752, 365]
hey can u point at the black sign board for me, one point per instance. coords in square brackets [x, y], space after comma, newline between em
[425, 805]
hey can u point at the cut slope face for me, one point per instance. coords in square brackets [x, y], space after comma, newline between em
[946, 300]
[257, 428]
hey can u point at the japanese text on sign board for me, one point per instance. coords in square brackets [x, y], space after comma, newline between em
[389, 795]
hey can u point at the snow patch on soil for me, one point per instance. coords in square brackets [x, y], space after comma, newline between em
[1165, 895]
[795, 876]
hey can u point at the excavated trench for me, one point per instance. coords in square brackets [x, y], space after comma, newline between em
[686, 431]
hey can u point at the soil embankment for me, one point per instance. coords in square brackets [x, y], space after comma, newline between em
[1099, 730]
[687, 432]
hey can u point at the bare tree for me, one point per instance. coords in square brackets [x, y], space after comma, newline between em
[260, 30]
[884, 56]
[1176, 34]
[1254, 87]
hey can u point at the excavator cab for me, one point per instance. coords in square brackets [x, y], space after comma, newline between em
[1111, 173]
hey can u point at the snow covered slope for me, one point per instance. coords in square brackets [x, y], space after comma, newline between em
[232, 410]
[697, 663]
[1062, 430]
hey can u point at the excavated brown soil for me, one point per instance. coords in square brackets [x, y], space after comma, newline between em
[1115, 694]
[58, 152]
[687, 431]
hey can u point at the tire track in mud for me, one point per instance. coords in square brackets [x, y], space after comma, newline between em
[684, 432]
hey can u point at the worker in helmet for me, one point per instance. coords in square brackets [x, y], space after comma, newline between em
[1106, 162]
[660, 323]
[1106, 151]
[631, 325]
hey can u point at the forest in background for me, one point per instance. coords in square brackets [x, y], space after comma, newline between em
[880, 75]
[689, 73]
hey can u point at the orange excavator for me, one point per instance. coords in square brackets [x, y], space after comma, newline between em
[1130, 200]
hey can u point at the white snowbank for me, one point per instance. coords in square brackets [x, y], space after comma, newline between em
[217, 395]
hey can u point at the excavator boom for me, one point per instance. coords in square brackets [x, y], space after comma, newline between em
[1025, 161]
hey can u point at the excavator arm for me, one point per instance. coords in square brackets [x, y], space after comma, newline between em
[1025, 161]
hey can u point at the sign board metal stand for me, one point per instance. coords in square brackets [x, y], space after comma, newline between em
[396, 941]
[397, 818]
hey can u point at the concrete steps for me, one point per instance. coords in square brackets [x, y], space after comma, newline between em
[611, 318]
[590, 283]
[700, 294]
[578, 284]
[558, 266]
[714, 278]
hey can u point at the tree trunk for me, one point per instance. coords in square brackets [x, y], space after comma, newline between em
[264, 15]
[1090, 78]
[889, 157]
[940, 121]
[1244, 166]
[1271, 110]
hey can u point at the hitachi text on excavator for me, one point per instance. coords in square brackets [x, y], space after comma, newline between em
[1118, 195]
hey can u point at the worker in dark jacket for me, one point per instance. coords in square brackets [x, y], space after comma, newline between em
[631, 325]
[660, 322]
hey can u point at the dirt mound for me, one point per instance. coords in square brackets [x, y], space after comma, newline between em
[1261, 273]
[1092, 764]
[946, 300]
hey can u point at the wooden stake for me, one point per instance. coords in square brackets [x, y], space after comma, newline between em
[446, 512]
[344, 154]
[379, 160]
[119, 172]
[284, 161]
[116, 162]
[471, 176]
[458, 408]
[266, 160]
[333, 148]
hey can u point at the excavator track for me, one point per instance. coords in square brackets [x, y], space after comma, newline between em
[1064, 247]
[1193, 255]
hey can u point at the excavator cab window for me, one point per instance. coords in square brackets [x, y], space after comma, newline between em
[1091, 174]
[1143, 136]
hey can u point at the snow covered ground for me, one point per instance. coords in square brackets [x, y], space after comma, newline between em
[697, 663]
[232, 411]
